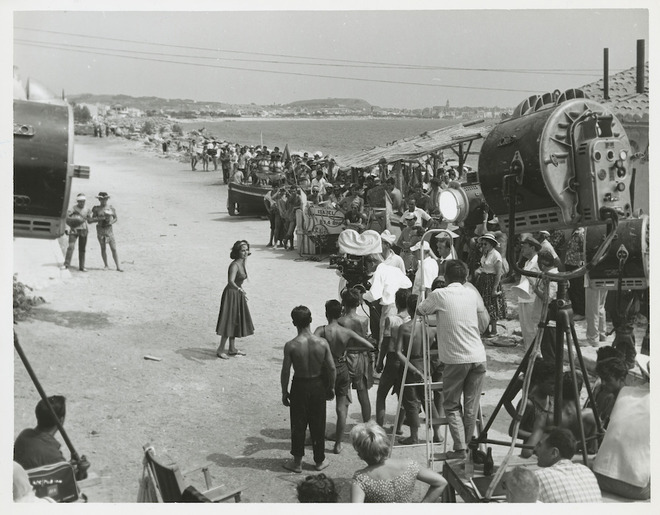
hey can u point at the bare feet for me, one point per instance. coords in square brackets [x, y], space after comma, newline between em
[222, 355]
[337, 448]
[237, 352]
[293, 466]
[119, 269]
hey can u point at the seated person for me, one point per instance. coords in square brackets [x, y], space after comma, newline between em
[319, 489]
[569, 416]
[612, 373]
[540, 399]
[355, 218]
[520, 485]
[37, 447]
[623, 463]
[561, 480]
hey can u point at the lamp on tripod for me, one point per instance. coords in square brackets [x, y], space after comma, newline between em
[561, 161]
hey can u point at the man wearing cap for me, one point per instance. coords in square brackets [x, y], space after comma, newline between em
[385, 282]
[389, 256]
[428, 266]
[408, 237]
[105, 216]
[76, 219]
[530, 307]
[421, 216]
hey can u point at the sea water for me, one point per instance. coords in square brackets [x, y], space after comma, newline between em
[334, 137]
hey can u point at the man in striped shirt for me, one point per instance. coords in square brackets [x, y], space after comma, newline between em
[461, 318]
[561, 480]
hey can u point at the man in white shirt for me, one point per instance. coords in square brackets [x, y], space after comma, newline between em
[421, 216]
[389, 256]
[319, 182]
[385, 282]
[461, 317]
[429, 266]
[530, 307]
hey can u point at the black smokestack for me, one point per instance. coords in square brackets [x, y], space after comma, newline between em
[640, 66]
[606, 73]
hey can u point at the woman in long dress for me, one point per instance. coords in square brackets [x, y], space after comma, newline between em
[386, 479]
[488, 279]
[234, 319]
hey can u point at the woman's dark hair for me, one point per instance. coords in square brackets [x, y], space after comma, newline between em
[319, 489]
[236, 249]
[45, 419]
[611, 367]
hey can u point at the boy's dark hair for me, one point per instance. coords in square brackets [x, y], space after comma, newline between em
[563, 440]
[543, 370]
[615, 368]
[319, 489]
[545, 257]
[607, 352]
[301, 316]
[350, 298]
[411, 304]
[568, 393]
[45, 419]
[401, 298]
[438, 282]
[333, 309]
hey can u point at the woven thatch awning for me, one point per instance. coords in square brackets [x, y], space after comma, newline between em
[414, 147]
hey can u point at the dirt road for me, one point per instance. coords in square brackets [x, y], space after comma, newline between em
[89, 340]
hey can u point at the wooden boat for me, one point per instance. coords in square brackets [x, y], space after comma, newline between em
[247, 199]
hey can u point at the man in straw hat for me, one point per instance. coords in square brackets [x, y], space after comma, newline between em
[76, 219]
[529, 306]
[389, 256]
[105, 216]
[428, 265]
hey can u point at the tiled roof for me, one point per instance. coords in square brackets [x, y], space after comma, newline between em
[628, 105]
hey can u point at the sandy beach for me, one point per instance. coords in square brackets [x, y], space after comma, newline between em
[89, 340]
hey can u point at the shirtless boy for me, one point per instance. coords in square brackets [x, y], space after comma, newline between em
[340, 340]
[309, 355]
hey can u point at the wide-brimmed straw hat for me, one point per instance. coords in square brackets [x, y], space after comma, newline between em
[417, 245]
[81, 196]
[409, 215]
[489, 237]
[388, 237]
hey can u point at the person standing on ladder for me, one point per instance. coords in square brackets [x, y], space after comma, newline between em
[461, 318]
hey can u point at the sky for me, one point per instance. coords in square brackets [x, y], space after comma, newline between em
[390, 58]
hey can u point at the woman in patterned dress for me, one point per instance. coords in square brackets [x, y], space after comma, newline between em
[385, 479]
[488, 278]
[234, 319]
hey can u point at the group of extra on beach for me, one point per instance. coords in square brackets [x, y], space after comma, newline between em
[371, 326]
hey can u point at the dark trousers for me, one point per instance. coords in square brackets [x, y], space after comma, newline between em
[82, 244]
[576, 292]
[307, 407]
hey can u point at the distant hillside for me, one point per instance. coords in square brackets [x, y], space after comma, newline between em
[149, 103]
[330, 103]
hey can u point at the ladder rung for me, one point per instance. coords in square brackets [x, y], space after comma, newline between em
[430, 383]
[415, 445]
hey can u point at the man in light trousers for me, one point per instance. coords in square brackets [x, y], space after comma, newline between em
[461, 318]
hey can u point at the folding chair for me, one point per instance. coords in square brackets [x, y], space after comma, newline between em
[169, 483]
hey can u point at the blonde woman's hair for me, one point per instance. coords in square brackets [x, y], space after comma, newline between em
[370, 442]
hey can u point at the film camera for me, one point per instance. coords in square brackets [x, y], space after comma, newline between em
[352, 268]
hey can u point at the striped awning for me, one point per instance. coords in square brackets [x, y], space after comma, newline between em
[414, 147]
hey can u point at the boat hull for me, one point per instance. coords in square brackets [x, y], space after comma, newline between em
[246, 199]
